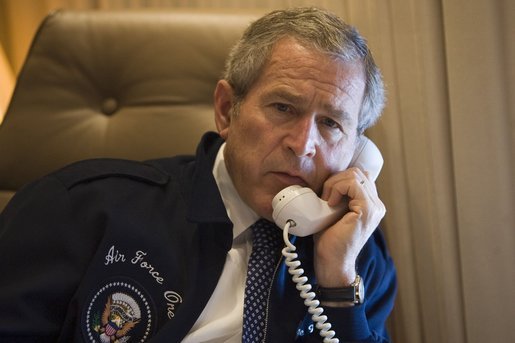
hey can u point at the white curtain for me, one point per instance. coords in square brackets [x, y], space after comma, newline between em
[448, 139]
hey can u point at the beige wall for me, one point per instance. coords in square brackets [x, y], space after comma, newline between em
[448, 138]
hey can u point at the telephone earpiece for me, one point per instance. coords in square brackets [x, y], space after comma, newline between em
[367, 157]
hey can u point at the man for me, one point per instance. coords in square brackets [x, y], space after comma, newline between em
[115, 251]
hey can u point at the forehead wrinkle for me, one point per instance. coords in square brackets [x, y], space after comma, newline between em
[352, 81]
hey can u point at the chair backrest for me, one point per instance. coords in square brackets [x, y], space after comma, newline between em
[134, 85]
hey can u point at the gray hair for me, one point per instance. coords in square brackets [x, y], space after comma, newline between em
[312, 27]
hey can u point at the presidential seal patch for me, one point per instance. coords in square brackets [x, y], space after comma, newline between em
[118, 312]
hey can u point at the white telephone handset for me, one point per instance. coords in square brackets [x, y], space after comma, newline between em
[299, 211]
[312, 214]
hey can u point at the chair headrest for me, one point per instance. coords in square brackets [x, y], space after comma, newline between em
[134, 85]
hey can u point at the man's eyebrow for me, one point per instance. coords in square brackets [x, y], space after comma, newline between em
[283, 94]
[338, 112]
[294, 98]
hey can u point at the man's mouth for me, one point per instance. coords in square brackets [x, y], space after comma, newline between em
[289, 179]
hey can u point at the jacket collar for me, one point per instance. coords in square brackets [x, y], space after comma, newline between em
[203, 187]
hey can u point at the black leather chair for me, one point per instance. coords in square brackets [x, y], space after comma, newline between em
[135, 85]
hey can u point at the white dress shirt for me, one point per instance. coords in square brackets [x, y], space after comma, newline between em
[222, 318]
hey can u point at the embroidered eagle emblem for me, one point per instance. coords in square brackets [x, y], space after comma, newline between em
[121, 314]
[118, 311]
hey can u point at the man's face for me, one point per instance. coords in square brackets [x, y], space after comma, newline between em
[297, 124]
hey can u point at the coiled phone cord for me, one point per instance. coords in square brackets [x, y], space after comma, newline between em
[301, 283]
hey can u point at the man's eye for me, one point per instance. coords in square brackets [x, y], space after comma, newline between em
[282, 107]
[330, 123]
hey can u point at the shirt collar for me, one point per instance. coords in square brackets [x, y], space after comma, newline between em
[241, 215]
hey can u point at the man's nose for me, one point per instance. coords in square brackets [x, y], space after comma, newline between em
[303, 137]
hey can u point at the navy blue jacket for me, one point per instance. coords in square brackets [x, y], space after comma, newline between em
[114, 248]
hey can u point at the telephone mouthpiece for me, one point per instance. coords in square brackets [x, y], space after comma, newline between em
[302, 206]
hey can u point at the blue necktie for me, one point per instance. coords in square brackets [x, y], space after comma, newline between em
[266, 244]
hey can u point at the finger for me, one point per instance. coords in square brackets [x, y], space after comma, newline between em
[351, 188]
[357, 207]
[346, 175]
[352, 182]
[368, 184]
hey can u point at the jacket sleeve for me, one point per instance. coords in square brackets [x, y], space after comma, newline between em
[367, 322]
[42, 258]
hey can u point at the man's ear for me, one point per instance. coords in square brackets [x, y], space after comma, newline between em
[223, 101]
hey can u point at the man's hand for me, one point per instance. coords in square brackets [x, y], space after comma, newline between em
[337, 248]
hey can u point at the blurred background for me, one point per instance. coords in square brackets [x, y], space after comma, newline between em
[447, 137]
